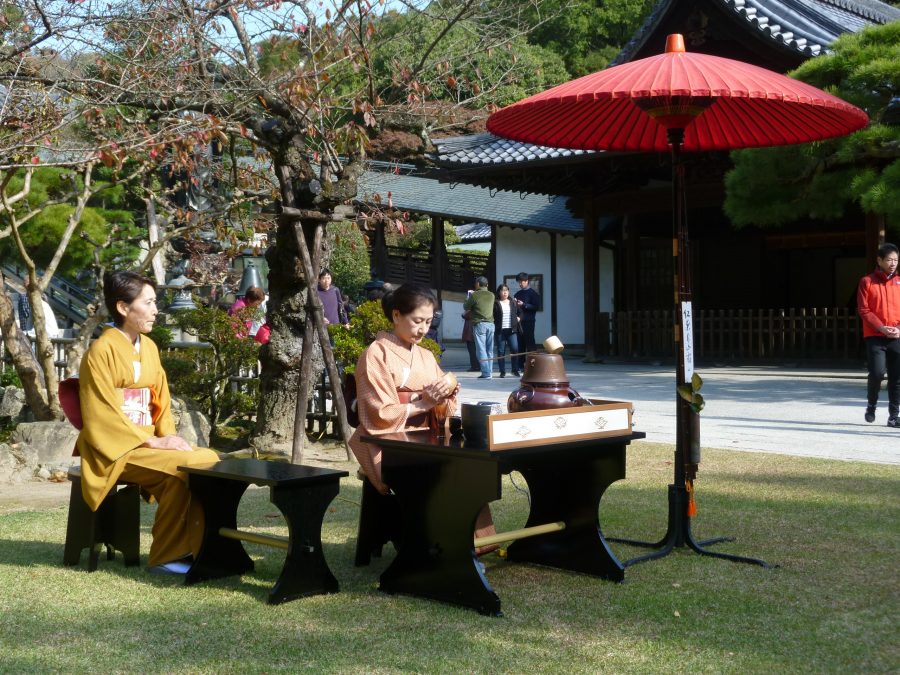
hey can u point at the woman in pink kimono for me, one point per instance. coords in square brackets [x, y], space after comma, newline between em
[399, 382]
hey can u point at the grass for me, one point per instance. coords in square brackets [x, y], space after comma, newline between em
[830, 606]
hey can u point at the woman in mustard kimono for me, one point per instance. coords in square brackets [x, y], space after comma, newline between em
[128, 429]
[398, 382]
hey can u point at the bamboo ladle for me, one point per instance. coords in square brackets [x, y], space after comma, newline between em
[552, 345]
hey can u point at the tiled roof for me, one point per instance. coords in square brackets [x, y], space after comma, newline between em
[805, 26]
[482, 150]
[471, 232]
[458, 201]
[476, 149]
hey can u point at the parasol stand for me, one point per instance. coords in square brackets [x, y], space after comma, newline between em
[687, 430]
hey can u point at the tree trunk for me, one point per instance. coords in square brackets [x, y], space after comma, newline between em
[45, 353]
[18, 346]
[291, 280]
[159, 272]
[280, 358]
[77, 349]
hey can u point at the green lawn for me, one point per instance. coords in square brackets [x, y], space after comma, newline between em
[830, 606]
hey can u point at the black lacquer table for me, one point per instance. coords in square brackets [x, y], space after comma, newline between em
[442, 484]
[301, 493]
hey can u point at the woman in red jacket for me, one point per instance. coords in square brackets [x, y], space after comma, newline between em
[878, 301]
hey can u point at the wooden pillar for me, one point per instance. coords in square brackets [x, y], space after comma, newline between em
[591, 280]
[438, 255]
[491, 273]
[631, 237]
[874, 237]
[553, 294]
[379, 253]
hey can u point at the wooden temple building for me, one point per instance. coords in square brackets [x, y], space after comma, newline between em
[595, 228]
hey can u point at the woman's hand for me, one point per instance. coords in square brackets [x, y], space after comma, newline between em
[439, 390]
[169, 442]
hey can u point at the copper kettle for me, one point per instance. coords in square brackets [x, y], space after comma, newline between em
[545, 385]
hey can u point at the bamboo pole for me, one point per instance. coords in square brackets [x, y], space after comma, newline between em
[522, 533]
[324, 340]
[254, 537]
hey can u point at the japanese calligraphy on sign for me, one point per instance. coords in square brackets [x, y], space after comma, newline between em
[687, 337]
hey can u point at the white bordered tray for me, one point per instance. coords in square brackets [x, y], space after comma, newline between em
[544, 427]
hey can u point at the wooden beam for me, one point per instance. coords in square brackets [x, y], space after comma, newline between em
[591, 265]
[292, 214]
[554, 315]
[821, 239]
[875, 226]
[657, 199]
[438, 255]
[491, 272]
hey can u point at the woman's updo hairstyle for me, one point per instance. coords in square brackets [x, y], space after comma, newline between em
[406, 299]
[124, 286]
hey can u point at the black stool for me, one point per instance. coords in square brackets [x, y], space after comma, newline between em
[379, 523]
[116, 524]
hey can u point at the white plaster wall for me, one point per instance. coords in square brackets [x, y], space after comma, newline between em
[452, 323]
[570, 291]
[526, 251]
[529, 251]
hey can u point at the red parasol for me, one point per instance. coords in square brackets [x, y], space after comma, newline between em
[681, 101]
[720, 103]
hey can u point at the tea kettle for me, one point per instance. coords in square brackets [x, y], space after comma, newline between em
[545, 385]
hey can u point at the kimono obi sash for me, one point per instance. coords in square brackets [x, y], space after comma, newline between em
[141, 405]
[417, 420]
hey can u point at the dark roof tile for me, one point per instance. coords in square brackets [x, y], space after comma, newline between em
[486, 148]
[805, 26]
[472, 232]
[467, 202]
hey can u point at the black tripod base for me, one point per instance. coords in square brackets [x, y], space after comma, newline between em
[679, 535]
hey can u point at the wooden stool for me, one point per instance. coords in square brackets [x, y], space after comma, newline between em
[379, 523]
[116, 524]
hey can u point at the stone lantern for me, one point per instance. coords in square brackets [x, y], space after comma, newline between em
[181, 286]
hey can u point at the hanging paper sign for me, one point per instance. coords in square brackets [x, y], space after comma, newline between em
[687, 339]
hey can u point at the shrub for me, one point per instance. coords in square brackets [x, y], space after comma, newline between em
[365, 324]
[204, 375]
[9, 377]
[349, 261]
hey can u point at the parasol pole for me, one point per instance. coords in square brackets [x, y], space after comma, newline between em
[687, 425]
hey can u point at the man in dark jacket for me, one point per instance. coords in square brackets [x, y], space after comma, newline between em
[878, 302]
[529, 301]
